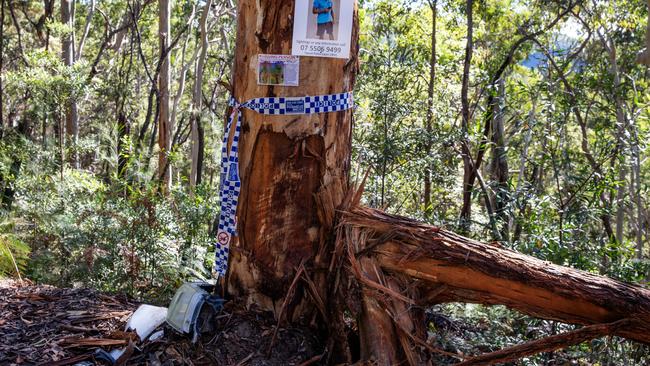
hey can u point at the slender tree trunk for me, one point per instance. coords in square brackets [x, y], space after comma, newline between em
[635, 189]
[84, 36]
[126, 18]
[521, 177]
[621, 122]
[499, 169]
[197, 102]
[124, 130]
[2, 58]
[164, 123]
[433, 4]
[586, 149]
[466, 210]
[67, 53]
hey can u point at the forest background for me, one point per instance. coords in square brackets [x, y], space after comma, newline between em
[520, 122]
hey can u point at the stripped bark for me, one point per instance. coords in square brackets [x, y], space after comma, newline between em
[284, 160]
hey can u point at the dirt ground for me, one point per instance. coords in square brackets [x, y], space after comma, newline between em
[44, 325]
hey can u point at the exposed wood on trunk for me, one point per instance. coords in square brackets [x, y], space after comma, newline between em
[379, 270]
[284, 160]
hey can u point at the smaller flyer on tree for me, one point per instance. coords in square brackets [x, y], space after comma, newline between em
[283, 70]
[323, 28]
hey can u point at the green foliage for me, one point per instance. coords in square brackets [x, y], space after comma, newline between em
[121, 237]
[390, 136]
[14, 252]
[476, 329]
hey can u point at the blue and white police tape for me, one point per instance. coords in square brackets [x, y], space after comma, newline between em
[230, 184]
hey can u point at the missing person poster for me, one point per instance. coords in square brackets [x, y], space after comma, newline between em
[281, 70]
[323, 28]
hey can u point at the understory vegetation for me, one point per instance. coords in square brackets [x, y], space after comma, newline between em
[533, 135]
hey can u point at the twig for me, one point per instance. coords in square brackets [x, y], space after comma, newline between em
[547, 344]
[311, 361]
[285, 303]
[242, 362]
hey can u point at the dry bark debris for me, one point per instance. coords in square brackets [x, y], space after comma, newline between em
[44, 325]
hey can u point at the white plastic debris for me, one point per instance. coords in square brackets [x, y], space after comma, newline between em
[156, 336]
[146, 319]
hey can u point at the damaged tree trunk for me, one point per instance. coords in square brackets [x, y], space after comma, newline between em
[450, 268]
[308, 252]
[284, 160]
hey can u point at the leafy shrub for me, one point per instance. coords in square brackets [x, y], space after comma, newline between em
[14, 252]
[114, 236]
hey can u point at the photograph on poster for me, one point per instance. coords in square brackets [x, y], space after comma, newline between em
[323, 28]
[324, 24]
[281, 70]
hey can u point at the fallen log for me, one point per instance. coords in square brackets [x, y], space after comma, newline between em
[441, 267]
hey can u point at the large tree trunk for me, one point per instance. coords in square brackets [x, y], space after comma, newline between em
[284, 160]
[308, 252]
